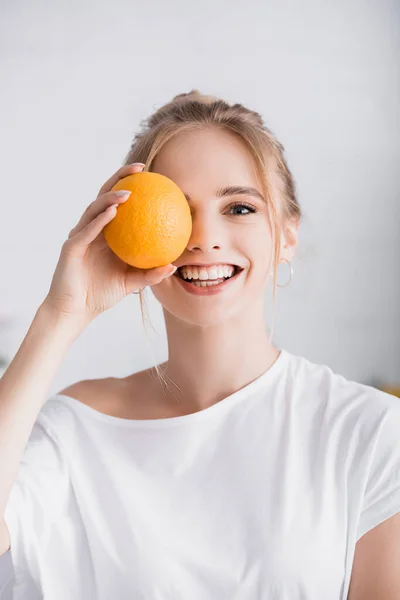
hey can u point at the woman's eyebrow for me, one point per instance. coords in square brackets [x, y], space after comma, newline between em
[235, 190]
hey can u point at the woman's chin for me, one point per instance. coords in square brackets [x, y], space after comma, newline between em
[200, 315]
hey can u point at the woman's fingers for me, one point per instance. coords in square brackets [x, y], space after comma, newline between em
[106, 197]
[76, 244]
[99, 206]
[122, 172]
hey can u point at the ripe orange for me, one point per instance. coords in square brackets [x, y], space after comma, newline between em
[152, 228]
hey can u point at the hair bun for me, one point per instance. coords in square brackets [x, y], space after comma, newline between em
[196, 96]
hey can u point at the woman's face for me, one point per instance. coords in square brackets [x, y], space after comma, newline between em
[232, 229]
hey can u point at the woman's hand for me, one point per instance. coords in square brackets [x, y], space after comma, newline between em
[89, 277]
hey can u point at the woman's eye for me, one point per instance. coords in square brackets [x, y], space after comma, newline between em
[247, 207]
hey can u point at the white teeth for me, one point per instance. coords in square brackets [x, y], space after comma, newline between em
[209, 273]
[206, 283]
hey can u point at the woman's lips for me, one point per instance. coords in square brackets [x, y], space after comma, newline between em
[210, 290]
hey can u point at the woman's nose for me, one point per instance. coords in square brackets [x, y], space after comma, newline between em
[205, 234]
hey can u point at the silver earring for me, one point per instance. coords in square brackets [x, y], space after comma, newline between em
[289, 262]
[141, 290]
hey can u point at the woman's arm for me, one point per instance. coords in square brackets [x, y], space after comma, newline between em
[24, 388]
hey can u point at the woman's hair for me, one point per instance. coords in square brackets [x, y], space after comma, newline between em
[194, 111]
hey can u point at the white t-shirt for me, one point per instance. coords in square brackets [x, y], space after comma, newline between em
[261, 496]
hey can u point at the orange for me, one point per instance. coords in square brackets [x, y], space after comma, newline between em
[152, 228]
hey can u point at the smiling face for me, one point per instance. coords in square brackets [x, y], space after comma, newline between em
[228, 228]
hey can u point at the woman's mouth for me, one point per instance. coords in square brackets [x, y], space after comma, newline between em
[207, 286]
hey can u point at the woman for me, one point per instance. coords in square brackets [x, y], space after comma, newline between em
[233, 470]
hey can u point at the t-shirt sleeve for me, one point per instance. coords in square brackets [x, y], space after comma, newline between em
[382, 491]
[37, 499]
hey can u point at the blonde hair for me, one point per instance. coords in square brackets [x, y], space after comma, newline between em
[193, 111]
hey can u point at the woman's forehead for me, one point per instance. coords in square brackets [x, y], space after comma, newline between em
[210, 159]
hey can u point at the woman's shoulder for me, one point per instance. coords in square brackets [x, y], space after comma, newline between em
[101, 394]
[122, 397]
[312, 379]
[92, 392]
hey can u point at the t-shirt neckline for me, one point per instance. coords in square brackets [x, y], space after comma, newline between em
[213, 410]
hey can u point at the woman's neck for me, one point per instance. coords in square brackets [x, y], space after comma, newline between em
[209, 364]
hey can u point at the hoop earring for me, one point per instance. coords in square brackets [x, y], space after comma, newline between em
[141, 290]
[289, 262]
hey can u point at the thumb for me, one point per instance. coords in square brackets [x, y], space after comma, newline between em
[141, 278]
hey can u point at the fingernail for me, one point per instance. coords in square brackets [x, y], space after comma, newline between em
[137, 164]
[123, 193]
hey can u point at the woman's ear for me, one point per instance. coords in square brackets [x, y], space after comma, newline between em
[289, 239]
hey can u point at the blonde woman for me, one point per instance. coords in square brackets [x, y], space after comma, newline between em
[235, 469]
